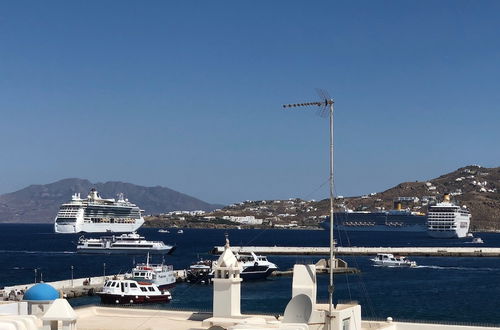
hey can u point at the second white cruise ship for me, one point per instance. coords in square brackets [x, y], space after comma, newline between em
[96, 215]
[447, 220]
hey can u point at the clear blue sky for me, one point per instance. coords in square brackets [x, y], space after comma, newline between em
[188, 94]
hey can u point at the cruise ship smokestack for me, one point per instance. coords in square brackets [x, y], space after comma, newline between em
[446, 197]
[397, 205]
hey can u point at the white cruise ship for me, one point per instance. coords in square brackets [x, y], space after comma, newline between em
[447, 220]
[96, 215]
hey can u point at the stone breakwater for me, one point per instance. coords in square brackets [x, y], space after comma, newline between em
[368, 251]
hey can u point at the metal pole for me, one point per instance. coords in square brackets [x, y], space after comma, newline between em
[104, 272]
[72, 285]
[332, 244]
[35, 275]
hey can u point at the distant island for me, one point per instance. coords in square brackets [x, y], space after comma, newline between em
[474, 186]
[40, 203]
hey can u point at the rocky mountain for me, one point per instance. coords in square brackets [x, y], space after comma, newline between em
[40, 203]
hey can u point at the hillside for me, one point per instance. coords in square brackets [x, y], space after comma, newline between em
[474, 186]
[40, 203]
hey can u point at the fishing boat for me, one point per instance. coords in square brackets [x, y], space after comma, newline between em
[132, 292]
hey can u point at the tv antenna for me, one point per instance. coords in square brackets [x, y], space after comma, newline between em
[325, 107]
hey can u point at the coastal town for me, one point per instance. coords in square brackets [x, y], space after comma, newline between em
[474, 186]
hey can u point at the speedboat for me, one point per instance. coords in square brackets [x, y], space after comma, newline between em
[163, 231]
[163, 276]
[477, 240]
[132, 292]
[388, 259]
[254, 267]
[125, 243]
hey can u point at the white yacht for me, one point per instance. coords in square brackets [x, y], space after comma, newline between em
[95, 214]
[125, 243]
[254, 267]
[447, 220]
[388, 259]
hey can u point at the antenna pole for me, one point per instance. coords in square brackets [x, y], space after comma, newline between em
[326, 102]
[332, 242]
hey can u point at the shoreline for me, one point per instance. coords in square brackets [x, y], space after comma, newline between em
[220, 226]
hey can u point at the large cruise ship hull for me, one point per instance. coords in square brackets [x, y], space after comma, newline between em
[443, 234]
[377, 221]
[75, 227]
[453, 233]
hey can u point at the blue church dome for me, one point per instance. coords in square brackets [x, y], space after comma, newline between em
[41, 292]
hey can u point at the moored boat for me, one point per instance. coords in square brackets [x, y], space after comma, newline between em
[132, 292]
[254, 267]
[163, 276]
[200, 272]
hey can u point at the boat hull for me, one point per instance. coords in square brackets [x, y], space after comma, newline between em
[125, 251]
[256, 273]
[107, 298]
[394, 264]
[413, 229]
[445, 234]
[77, 227]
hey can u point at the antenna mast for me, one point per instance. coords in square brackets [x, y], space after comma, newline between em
[326, 103]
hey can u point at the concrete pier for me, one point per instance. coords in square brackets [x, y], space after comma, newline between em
[473, 251]
[77, 287]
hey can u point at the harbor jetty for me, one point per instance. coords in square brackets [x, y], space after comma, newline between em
[73, 288]
[475, 251]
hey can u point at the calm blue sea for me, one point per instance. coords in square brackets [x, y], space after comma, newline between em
[445, 289]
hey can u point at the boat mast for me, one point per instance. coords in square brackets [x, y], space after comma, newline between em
[326, 102]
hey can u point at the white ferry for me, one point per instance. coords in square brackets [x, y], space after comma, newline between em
[132, 292]
[95, 214]
[126, 243]
[161, 275]
[447, 220]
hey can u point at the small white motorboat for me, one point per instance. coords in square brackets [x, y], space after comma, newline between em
[163, 231]
[477, 240]
[388, 259]
[180, 231]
